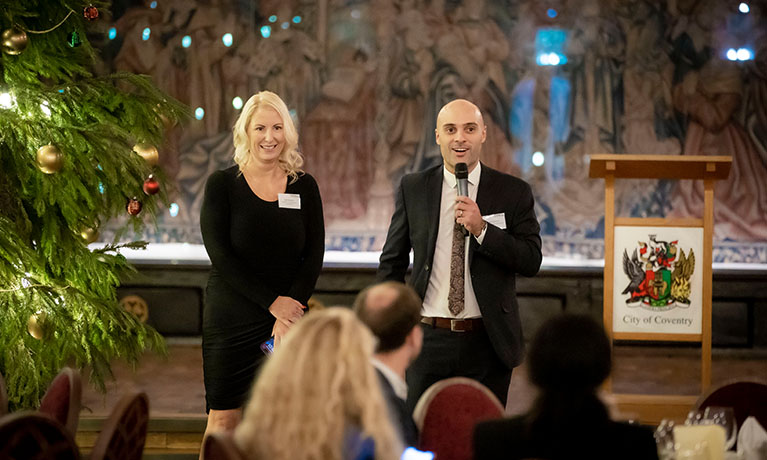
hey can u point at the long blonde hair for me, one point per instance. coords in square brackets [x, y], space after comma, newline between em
[318, 385]
[290, 158]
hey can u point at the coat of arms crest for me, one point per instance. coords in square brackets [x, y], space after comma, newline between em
[659, 274]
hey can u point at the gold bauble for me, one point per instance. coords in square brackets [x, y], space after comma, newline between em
[90, 235]
[15, 41]
[49, 159]
[35, 325]
[148, 152]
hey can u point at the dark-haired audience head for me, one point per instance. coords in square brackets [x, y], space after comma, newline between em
[391, 310]
[569, 353]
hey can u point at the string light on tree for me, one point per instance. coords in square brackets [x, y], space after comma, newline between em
[15, 41]
[49, 159]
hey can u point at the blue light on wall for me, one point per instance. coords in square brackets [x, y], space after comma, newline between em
[112, 34]
[237, 102]
[273, 18]
[550, 47]
[199, 113]
[227, 39]
[745, 54]
[296, 19]
[740, 54]
[153, 5]
[552, 13]
[173, 209]
[285, 25]
[266, 31]
[186, 42]
[744, 8]
[146, 33]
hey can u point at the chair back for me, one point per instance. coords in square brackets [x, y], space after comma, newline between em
[62, 399]
[220, 446]
[3, 397]
[747, 398]
[124, 432]
[30, 435]
[448, 411]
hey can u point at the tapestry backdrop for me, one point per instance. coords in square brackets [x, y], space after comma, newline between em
[556, 80]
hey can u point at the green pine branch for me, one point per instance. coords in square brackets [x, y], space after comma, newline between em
[58, 303]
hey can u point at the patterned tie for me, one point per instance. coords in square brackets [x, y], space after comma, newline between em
[457, 267]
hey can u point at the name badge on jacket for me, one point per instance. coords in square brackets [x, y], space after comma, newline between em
[289, 200]
[499, 220]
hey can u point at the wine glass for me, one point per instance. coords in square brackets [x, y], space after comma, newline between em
[724, 417]
[695, 417]
[664, 439]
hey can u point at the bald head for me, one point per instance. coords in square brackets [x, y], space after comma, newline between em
[391, 310]
[460, 133]
[462, 106]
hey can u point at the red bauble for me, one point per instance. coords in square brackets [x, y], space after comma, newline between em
[134, 206]
[151, 186]
[91, 12]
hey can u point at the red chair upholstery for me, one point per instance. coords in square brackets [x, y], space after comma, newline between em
[62, 399]
[220, 446]
[747, 398]
[448, 411]
[3, 397]
[34, 436]
[124, 432]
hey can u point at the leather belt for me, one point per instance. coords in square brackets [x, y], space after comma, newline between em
[455, 325]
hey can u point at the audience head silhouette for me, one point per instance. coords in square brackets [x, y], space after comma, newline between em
[570, 353]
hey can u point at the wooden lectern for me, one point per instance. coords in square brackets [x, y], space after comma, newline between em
[653, 408]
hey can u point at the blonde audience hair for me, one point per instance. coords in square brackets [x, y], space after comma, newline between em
[290, 158]
[317, 387]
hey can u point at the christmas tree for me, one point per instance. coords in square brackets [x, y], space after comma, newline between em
[76, 150]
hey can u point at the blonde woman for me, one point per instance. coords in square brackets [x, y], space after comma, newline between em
[318, 397]
[263, 229]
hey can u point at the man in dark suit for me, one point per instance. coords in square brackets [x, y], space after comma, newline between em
[471, 327]
[392, 311]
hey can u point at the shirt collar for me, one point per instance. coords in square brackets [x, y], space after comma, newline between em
[449, 177]
[397, 383]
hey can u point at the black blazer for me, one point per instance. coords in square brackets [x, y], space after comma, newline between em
[509, 439]
[399, 413]
[493, 265]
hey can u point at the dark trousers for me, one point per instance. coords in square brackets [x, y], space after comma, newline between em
[456, 354]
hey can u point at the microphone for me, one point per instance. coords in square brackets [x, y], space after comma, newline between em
[462, 180]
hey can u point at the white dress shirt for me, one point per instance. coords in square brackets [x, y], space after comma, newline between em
[435, 300]
[397, 383]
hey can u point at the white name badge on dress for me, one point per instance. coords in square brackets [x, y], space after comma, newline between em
[499, 220]
[289, 200]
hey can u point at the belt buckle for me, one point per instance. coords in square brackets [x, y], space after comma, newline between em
[454, 325]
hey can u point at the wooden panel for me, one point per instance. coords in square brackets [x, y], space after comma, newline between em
[657, 337]
[626, 166]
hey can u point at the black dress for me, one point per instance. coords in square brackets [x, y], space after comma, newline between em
[258, 251]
